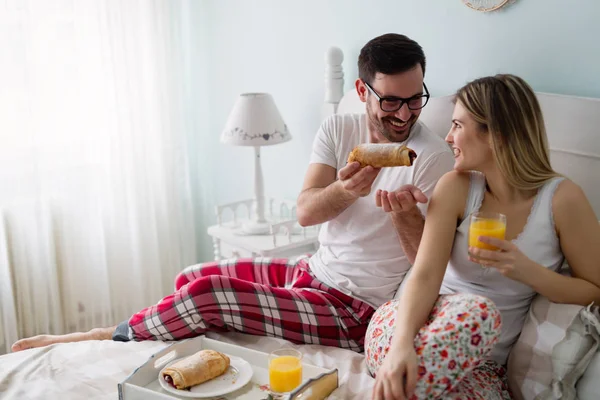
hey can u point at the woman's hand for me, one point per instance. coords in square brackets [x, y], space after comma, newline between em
[508, 259]
[397, 376]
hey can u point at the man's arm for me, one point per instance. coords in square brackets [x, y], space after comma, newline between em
[323, 197]
[406, 217]
[409, 226]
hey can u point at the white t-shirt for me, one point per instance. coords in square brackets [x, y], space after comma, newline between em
[360, 252]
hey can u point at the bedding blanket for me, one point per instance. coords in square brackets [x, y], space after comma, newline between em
[92, 370]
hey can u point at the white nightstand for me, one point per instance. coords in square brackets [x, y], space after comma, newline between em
[229, 242]
[287, 238]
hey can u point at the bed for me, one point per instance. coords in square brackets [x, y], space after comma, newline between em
[91, 370]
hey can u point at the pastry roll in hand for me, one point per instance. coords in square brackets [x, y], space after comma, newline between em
[382, 155]
[196, 369]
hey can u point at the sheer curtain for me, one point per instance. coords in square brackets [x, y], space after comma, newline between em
[96, 214]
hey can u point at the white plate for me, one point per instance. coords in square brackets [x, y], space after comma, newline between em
[237, 375]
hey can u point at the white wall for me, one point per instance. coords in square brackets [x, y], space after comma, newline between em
[278, 46]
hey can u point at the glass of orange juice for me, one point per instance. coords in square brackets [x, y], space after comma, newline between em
[486, 224]
[285, 372]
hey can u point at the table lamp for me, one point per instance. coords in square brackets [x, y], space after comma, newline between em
[255, 121]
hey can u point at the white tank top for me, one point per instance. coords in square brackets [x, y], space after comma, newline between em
[538, 241]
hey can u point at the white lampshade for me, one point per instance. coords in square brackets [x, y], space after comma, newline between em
[255, 121]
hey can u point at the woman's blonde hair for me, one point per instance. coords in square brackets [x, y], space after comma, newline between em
[507, 108]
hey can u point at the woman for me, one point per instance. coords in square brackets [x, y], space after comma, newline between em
[455, 346]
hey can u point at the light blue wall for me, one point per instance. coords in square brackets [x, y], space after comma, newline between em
[278, 47]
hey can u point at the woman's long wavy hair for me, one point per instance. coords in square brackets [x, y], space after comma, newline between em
[506, 107]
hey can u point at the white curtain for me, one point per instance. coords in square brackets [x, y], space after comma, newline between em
[96, 215]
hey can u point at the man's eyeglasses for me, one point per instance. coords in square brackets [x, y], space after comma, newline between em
[392, 104]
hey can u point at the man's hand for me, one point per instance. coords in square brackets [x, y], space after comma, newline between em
[357, 180]
[400, 201]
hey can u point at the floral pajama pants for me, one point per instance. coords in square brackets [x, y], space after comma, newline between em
[260, 296]
[451, 347]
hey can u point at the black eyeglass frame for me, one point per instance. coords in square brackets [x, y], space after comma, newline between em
[402, 101]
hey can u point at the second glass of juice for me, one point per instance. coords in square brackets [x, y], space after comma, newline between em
[285, 372]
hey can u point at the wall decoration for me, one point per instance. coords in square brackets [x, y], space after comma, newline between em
[486, 5]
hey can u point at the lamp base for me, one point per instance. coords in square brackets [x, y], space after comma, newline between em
[256, 228]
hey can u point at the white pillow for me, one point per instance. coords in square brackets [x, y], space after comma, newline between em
[588, 386]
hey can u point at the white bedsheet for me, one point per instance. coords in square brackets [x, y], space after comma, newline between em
[91, 370]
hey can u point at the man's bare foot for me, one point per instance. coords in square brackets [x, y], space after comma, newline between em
[47, 340]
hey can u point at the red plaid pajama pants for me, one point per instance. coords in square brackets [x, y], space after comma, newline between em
[261, 296]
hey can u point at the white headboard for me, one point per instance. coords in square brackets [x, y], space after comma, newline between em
[572, 123]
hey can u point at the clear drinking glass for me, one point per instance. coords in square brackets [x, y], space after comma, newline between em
[486, 224]
[285, 372]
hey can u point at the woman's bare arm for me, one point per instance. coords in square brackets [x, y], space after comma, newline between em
[423, 284]
[579, 234]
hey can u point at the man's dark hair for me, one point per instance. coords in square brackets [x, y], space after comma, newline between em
[389, 54]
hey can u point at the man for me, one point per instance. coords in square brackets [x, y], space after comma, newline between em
[359, 252]
[368, 240]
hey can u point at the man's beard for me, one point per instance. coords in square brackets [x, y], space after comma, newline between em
[387, 132]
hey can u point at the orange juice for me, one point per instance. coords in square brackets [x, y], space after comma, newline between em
[486, 227]
[285, 373]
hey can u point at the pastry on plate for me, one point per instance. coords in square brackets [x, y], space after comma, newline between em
[196, 369]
